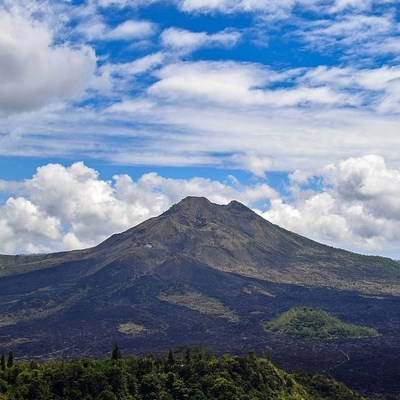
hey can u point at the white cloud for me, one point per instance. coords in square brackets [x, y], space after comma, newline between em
[358, 208]
[378, 88]
[370, 26]
[367, 25]
[132, 30]
[204, 113]
[126, 3]
[96, 29]
[373, 35]
[117, 77]
[279, 9]
[237, 83]
[65, 208]
[186, 41]
[340, 5]
[25, 227]
[34, 71]
[368, 180]
[216, 81]
[134, 106]
[254, 163]
[229, 6]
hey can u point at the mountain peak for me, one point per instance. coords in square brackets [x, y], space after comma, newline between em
[195, 200]
[191, 205]
[196, 207]
[236, 206]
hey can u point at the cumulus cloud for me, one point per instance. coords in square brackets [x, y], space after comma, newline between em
[23, 225]
[62, 208]
[33, 70]
[71, 207]
[184, 41]
[358, 207]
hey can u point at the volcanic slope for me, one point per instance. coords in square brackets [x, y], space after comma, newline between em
[204, 274]
[229, 238]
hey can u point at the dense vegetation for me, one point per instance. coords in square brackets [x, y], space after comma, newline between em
[316, 324]
[183, 374]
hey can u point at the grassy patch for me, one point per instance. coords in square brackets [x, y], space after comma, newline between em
[316, 324]
[199, 302]
[251, 289]
[132, 329]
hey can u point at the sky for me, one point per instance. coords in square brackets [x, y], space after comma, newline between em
[113, 110]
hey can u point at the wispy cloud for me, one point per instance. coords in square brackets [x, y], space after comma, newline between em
[112, 79]
[126, 3]
[236, 83]
[184, 41]
[208, 113]
[96, 29]
[372, 35]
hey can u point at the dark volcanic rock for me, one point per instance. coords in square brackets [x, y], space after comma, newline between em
[206, 275]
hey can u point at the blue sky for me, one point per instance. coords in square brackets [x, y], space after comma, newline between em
[112, 110]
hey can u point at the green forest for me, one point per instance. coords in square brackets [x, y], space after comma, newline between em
[185, 373]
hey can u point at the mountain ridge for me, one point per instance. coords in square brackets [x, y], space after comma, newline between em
[192, 227]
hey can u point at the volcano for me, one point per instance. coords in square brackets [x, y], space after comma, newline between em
[206, 275]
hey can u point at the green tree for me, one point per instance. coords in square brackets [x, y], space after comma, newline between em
[187, 356]
[107, 395]
[10, 359]
[171, 359]
[116, 353]
[3, 362]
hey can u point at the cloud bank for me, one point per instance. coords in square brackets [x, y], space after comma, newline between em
[63, 208]
[357, 209]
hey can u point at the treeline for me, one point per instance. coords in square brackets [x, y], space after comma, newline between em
[181, 374]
